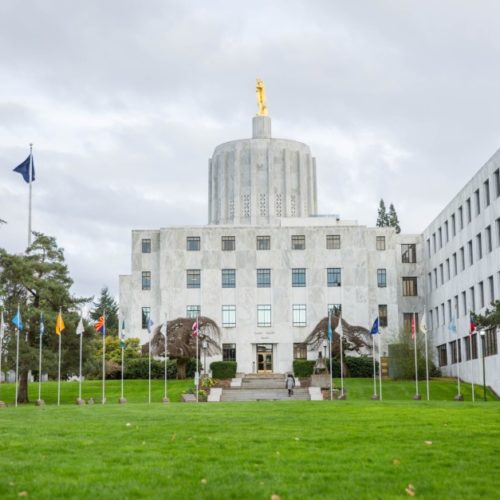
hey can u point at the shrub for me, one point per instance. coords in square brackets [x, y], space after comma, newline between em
[361, 366]
[303, 367]
[223, 369]
[139, 368]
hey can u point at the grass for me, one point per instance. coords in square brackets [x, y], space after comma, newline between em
[294, 449]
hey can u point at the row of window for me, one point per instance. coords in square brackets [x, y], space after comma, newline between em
[462, 305]
[229, 351]
[451, 267]
[228, 243]
[489, 344]
[333, 279]
[442, 236]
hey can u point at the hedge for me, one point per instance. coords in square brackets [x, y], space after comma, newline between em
[303, 367]
[223, 369]
[139, 368]
[361, 366]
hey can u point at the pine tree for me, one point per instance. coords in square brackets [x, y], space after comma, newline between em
[382, 217]
[393, 220]
[106, 304]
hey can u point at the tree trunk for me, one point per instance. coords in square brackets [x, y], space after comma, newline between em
[22, 395]
[181, 368]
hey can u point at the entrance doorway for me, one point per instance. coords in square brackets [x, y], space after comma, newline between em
[264, 358]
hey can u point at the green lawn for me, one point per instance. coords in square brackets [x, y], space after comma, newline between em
[294, 449]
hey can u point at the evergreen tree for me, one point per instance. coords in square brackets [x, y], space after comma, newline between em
[382, 217]
[39, 282]
[393, 220]
[106, 304]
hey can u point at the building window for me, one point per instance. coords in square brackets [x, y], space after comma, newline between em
[298, 277]
[228, 352]
[479, 246]
[381, 278]
[263, 278]
[470, 342]
[478, 201]
[456, 306]
[229, 278]
[408, 253]
[464, 302]
[455, 265]
[382, 314]
[462, 258]
[264, 315]
[454, 346]
[429, 280]
[481, 294]
[428, 247]
[146, 245]
[332, 241]
[228, 243]
[453, 225]
[498, 231]
[441, 273]
[461, 217]
[410, 287]
[487, 200]
[448, 272]
[442, 355]
[263, 242]
[193, 243]
[299, 350]
[298, 242]
[435, 278]
[335, 309]
[490, 342]
[333, 276]
[193, 278]
[380, 242]
[469, 210]
[472, 298]
[471, 253]
[440, 234]
[229, 316]
[299, 315]
[407, 319]
[145, 314]
[146, 280]
[492, 290]
[193, 311]
[434, 247]
[496, 174]
[489, 241]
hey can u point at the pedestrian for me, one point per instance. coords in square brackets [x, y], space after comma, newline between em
[290, 384]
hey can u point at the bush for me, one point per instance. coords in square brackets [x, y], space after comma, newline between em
[223, 369]
[361, 366]
[139, 369]
[303, 367]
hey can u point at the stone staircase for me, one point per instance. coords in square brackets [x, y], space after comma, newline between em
[269, 387]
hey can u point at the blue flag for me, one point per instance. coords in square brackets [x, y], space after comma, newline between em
[24, 169]
[16, 320]
[374, 329]
[42, 325]
[150, 325]
[122, 336]
[330, 332]
[452, 326]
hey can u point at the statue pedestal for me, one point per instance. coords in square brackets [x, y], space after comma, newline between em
[261, 127]
[322, 380]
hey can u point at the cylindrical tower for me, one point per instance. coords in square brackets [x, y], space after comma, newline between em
[255, 181]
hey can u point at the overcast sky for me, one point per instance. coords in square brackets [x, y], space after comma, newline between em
[126, 100]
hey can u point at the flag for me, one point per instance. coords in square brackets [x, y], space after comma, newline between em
[452, 326]
[122, 336]
[195, 329]
[163, 329]
[472, 323]
[423, 324]
[149, 325]
[42, 325]
[374, 329]
[2, 325]
[59, 324]
[17, 321]
[80, 328]
[24, 169]
[100, 326]
[330, 332]
[413, 327]
[340, 328]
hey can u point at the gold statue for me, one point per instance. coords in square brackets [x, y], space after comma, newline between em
[261, 98]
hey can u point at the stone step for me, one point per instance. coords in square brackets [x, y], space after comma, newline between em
[263, 394]
[263, 384]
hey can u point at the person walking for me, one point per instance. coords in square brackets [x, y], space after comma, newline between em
[290, 384]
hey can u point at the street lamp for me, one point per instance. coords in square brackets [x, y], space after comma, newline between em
[204, 346]
[482, 333]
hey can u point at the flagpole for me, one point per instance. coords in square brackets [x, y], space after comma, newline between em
[123, 351]
[379, 367]
[29, 204]
[472, 370]
[149, 366]
[2, 327]
[426, 360]
[458, 365]
[39, 369]
[59, 371]
[374, 370]
[17, 361]
[80, 377]
[197, 377]
[414, 333]
[104, 358]
[341, 363]
[165, 391]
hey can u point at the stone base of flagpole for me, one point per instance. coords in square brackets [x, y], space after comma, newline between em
[123, 401]
[342, 397]
[40, 402]
[165, 400]
[375, 397]
[417, 397]
[459, 397]
[80, 402]
[2, 404]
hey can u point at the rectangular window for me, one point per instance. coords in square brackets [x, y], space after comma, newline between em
[487, 200]
[408, 253]
[145, 313]
[263, 278]
[193, 311]
[429, 281]
[472, 299]
[229, 352]
[441, 273]
[228, 243]
[440, 237]
[193, 278]
[457, 311]
[461, 217]
[454, 347]
[435, 278]
[146, 245]
[263, 242]
[381, 278]
[478, 201]
[490, 342]
[498, 231]
[469, 210]
[228, 278]
[299, 315]
[455, 265]
[448, 272]
[380, 242]
[410, 287]
[481, 294]
[453, 225]
[471, 253]
[491, 287]
[298, 277]
[407, 319]
[464, 302]
[193, 243]
[449, 309]
[428, 247]
[446, 232]
[382, 314]
[298, 242]
[335, 309]
[264, 315]
[442, 355]
[479, 246]
[462, 258]
[299, 350]
[333, 276]
[496, 175]
[434, 246]
[146, 280]
[489, 241]
[332, 241]
[229, 316]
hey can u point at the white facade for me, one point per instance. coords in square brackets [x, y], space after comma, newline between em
[267, 300]
[462, 268]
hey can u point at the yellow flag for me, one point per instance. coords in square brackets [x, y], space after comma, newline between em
[59, 324]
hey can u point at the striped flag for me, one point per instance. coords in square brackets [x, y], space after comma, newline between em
[60, 326]
[100, 326]
[195, 329]
[472, 323]
[413, 327]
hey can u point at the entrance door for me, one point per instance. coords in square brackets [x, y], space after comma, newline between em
[264, 358]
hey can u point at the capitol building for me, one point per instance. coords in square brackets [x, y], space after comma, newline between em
[268, 267]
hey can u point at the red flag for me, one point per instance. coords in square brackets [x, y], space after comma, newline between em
[195, 329]
[472, 323]
[413, 326]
